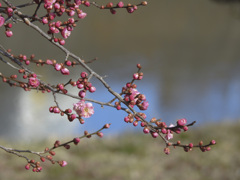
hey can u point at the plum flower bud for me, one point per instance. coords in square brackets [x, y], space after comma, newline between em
[190, 145]
[144, 105]
[185, 128]
[167, 150]
[33, 82]
[56, 110]
[126, 119]
[27, 167]
[154, 134]
[130, 10]
[44, 20]
[2, 20]
[82, 15]
[87, 3]
[182, 122]
[71, 13]
[146, 130]
[92, 89]
[68, 63]
[106, 126]
[83, 109]
[58, 67]
[71, 117]
[61, 42]
[82, 94]
[144, 3]
[65, 71]
[49, 62]
[120, 4]
[49, 2]
[78, 2]
[62, 163]
[84, 74]
[76, 140]
[135, 123]
[100, 134]
[135, 76]
[113, 11]
[164, 131]
[57, 6]
[80, 86]
[213, 142]
[9, 33]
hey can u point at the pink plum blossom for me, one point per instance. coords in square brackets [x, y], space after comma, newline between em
[83, 109]
[33, 82]
[65, 33]
[169, 135]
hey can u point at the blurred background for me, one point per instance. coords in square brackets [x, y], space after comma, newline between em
[189, 51]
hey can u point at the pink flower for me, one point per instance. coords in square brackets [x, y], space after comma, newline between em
[33, 82]
[2, 20]
[82, 15]
[83, 109]
[133, 93]
[65, 33]
[169, 133]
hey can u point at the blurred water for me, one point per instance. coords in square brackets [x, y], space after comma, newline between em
[190, 55]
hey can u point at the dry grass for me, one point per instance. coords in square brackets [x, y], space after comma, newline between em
[138, 156]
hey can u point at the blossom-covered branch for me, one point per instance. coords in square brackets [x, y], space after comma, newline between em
[128, 99]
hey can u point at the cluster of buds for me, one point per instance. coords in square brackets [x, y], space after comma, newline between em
[36, 165]
[56, 8]
[82, 109]
[131, 95]
[32, 83]
[129, 7]
[9, 12]
[48, 153]
[84, 85]
[39, 62]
